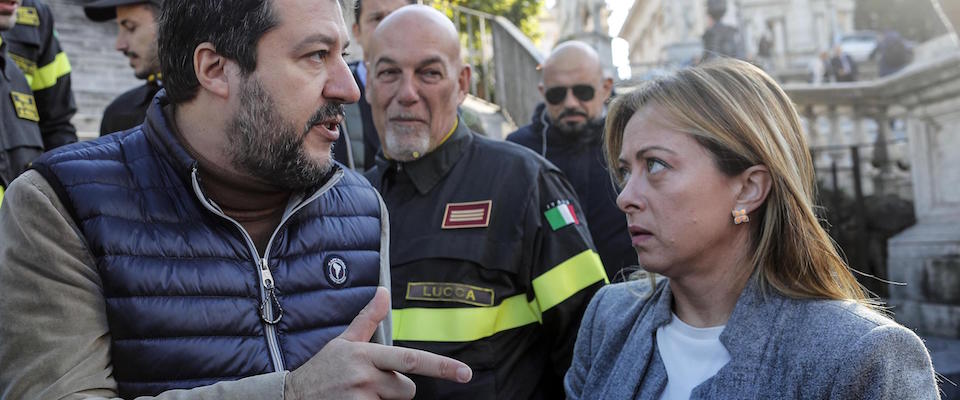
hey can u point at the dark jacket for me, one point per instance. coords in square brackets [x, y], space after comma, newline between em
[479, 271]
[129, 109]
[581, 160]
[189, 299]
[34, 46]
[20, 139]
[359, 126]
[780, 348]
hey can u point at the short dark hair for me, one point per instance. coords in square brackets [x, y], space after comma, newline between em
[233, 27]
[358, 9]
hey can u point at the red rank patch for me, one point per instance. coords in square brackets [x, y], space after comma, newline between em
[474, 214]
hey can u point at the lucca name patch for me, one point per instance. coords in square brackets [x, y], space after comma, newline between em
[455, 292]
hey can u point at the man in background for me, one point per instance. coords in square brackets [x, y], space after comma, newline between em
[567, 129]
[359, 124]
[137, 40]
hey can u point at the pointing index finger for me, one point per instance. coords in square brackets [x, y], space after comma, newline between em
[419, 362]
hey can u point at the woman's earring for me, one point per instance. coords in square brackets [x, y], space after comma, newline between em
[740, 216]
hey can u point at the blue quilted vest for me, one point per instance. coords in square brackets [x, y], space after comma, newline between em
[188, 300]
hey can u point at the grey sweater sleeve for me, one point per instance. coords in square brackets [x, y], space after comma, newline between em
[888, 362]
[54, 337]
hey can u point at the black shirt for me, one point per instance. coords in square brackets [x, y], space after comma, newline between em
[129, 109]
[479, 272]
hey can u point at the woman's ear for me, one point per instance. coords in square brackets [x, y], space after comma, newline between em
[755, 185]
[210, 68]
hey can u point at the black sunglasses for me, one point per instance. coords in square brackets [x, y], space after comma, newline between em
[557, 94]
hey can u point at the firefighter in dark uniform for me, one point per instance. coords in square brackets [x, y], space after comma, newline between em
[34, 46]
[20, 140]
[491, 260]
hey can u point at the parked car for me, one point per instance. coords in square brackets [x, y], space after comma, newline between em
[860, 45]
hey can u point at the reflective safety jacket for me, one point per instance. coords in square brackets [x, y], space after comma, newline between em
[491, 263]
[35, 47]
[20, 140]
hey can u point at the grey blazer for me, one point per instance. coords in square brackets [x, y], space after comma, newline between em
[780, 348]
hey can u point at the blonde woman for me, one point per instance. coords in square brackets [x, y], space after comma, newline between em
[717, 186]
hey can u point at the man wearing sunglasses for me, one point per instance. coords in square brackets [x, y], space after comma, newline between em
[567, 130]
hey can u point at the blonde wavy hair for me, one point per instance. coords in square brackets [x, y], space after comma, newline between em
[743, 118]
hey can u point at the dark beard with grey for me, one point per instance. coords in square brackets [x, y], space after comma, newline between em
[575, 129]
[267, 147]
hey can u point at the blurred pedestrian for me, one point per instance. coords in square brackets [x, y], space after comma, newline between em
[893, 53]
[35, 47]
[817, 68]
[567, 129]
[718, 190]
[721, 40]
[491, 261]
[842, 67]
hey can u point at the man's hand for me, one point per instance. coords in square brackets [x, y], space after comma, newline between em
[349, 366]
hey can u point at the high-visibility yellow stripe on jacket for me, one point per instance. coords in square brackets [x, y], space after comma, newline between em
[474, 323]
[47, 75]
[1, 195]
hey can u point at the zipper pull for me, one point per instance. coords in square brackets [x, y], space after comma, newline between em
[271, 295]
[265, 276]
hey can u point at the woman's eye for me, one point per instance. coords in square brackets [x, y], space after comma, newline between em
[654, 165]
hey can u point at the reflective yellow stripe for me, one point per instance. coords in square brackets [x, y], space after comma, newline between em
[473, 323]
[47, 75]
[568, 278]
[1, 195]
[463, 324]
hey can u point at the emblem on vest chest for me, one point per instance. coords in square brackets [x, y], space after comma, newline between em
[336, 269]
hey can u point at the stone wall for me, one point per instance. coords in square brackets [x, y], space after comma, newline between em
[100, 73]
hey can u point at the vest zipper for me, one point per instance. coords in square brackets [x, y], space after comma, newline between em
[267, 285]
[266, 309]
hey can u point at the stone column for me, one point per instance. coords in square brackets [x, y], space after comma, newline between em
[927, 255]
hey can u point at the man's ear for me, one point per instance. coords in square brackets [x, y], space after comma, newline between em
[607, 87]
[463, 79]
[541, 89]
[356, 29]
[210, 68]
[754, 187]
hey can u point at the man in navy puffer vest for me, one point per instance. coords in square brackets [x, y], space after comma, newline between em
[216, 248]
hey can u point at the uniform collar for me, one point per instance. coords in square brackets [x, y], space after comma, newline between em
[427, 171]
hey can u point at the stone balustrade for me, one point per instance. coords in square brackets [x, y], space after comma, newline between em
[924, 260]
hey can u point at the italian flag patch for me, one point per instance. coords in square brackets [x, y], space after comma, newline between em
[560, 214]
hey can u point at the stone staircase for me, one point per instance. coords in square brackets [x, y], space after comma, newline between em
[99, 73]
